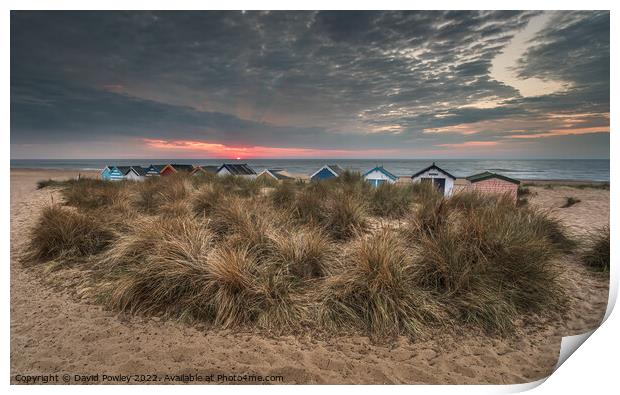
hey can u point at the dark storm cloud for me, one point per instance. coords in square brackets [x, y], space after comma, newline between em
[575, 47]
[310, 79]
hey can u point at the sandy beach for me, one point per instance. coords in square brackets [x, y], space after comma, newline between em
[53, 331]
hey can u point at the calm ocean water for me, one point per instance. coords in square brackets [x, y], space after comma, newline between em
[545, 169]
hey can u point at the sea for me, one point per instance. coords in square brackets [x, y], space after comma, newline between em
[530, 169]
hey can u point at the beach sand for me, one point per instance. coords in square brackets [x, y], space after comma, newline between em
[54, 332]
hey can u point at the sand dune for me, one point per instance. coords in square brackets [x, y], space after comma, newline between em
[55, 332]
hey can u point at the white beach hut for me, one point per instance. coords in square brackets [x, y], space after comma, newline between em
[236, 169]
[443, 180]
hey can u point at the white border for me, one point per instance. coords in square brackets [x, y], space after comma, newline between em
[593, 368]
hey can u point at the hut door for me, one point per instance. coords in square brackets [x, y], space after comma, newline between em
[440, 183]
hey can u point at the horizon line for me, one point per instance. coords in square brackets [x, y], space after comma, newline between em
[301, 159]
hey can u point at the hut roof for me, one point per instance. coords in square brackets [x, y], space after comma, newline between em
[141, 171]
[433, 166]
[487, 175]
[278, 174]
[157, 168]
[123, 169]
[181, 167]
[206, 169]
[237, 169]
[382, 170]
[336, 170]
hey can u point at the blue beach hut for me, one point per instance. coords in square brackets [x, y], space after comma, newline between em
[326, 172]
[378, 176]
[112, 173]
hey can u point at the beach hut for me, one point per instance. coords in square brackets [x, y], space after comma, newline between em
[112, 173]
[236, 169]
[487, 182]
[204, 170]
[135, 173]
[378, 176]
[173, 168]
[443, 180]
[275, 174]
[326, 172]
[105, 173]
[154, 170]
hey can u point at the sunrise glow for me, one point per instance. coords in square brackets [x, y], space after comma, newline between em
[217, 150]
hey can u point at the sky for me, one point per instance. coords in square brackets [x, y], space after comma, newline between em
[338, 84]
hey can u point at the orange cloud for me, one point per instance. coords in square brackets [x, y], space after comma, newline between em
[218, 150]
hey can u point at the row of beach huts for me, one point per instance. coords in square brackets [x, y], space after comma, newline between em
[485, 182]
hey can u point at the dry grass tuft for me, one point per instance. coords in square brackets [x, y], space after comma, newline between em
[160, 267]
[240, 186]
[157, 193]
[425, 192]
[391, 200]
[597, 254]
[345, 216]
[305, 253]
[570, 201]
[283, 195]
[65, 235]
[309, 204]
[248, 291]
[490, 259]
[374, 288]
[88, 193]
[207, 199]
[245, 222]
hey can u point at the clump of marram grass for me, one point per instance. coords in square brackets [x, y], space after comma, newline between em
[246, 290]
[157, 193]
[374, 288]
[596, 255]
[49, 183]
[488, 258]
[174, 188]
[207, 199]
[240, 186]
[173, 267]
[522, 193]
[88, 193]
[64, 235]
[570, 201]
[245, 222]
[201, 178]
[352, 183]
[305, 253]
[176, 209]
[283, 195]
[345, 216]
[266, 182]
[160, 267]
[146, 195]
[425, 192]
[551, 229]
[342, 214]
[391, 200]
[309, 204]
